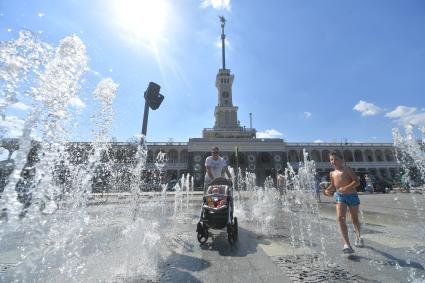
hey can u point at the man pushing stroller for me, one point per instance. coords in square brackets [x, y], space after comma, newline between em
[215, 166]
[217, 207]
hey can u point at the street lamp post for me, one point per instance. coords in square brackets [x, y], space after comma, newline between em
[153, 100]
[342, 150]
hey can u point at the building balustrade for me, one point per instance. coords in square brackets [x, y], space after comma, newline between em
[177, 165]
[375, 164]
[240, 129]
[344, 146]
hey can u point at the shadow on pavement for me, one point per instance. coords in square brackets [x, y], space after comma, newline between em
[178, 268]
[186, 262]
[357, 258]
[246, 244]
[392, 260]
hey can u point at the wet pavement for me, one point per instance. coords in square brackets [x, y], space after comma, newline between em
[393, 229]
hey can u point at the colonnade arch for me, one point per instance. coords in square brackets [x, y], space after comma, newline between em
[184, 156]
[369, 155]
[293, 156]
[358, 155]
[325, 155]
[350, 155]
[172, 156]
[389, 156]
[315, 155]
[379, 156]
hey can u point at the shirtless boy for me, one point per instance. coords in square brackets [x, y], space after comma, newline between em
[344, 181]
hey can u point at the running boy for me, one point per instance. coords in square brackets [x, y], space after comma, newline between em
[345, 182]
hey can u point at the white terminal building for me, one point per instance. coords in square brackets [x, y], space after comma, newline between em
[265, 157]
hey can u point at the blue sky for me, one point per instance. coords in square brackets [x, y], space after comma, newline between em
[307, 70]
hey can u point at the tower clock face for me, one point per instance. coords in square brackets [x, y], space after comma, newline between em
[225, 94]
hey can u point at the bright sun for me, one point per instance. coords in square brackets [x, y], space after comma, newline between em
[142, 19]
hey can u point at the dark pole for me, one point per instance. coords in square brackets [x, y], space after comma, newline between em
[250, 120]
[223, 36]
[342, 149]
[237, 167]
[223, 50]
[145, 118]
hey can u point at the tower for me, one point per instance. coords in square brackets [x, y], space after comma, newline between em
[226, 115]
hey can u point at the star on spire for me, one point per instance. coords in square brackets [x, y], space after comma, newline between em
[222, 20]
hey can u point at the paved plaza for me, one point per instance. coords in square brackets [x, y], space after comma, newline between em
[115, 248]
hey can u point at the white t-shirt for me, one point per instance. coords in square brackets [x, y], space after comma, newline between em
[216, 167]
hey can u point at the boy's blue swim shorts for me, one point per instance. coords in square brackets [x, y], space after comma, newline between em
[348, 199]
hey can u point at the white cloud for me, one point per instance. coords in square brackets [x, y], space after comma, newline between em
[20, 106]
[11, 126]
[307, 114]
[405, 115]
[318, 141]
[416, 119]
[269, 134]
[76, 102]
[401, 111]
[216, 4]
[366, 108]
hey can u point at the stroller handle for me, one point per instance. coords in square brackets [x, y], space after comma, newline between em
[221, 181]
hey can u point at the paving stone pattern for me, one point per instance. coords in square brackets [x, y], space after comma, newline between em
[309, 268]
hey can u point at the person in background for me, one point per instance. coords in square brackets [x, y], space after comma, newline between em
[369, 185]
[280, 182]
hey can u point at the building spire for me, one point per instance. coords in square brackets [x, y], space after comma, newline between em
[223, 36]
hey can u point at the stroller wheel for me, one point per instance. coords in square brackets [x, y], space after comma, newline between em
[203, 237]
[202, 233]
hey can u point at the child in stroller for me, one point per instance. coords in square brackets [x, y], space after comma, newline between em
[218, 196]
[217, 211]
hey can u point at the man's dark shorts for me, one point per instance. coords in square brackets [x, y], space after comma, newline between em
[348, 199]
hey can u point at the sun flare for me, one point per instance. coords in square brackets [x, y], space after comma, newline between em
[144, 20]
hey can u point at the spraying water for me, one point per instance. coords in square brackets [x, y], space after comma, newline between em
[48, 217]
[409, 151]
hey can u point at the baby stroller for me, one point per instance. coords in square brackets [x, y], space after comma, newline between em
[217, 211]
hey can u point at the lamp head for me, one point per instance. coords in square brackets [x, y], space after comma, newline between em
[152, 96]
